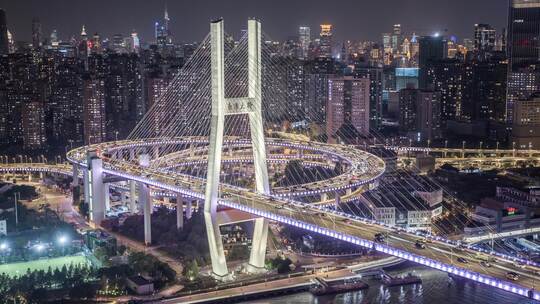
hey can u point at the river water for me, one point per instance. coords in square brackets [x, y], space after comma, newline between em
[436, 288]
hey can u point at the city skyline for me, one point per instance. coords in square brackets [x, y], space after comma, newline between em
[209, 157]
[422, 17]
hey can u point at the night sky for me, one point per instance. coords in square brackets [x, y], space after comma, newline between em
[352, 19]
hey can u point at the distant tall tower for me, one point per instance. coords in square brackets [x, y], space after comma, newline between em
[166, 20]
[11, 42]
[522, 49]
[162, 32]
[4, 43]
[304, 39]
[325, 46]
[37, 38]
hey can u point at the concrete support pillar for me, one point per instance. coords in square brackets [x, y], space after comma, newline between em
[132, 154]
[189, 208]
[146, 202]
[94, 190]
[132, 197]
[41, 175]
[179, 212]
[337, 200]
[86, 185]
[106, 189]
[30, 177]
[258, 245]
[348, 191]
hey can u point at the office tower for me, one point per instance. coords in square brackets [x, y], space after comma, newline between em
[484, 38]
[374, 74]
[304, 39]
[522, 50]
[347, 109]
[4, 44]
[37, 38]
[94, 109]
[396, 38]
[526, 123]
[431, 49]
[419, 114]
[326, 42]
[33, 125]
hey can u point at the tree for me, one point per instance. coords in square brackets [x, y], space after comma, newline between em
[82, 291]
[191, 271]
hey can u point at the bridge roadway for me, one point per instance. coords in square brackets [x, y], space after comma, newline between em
[438, 254]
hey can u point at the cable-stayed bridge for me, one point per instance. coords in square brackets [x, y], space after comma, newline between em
[219, 110]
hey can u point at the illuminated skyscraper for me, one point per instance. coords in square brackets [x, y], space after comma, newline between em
[304, 39]
[325, 44]
[522, 49]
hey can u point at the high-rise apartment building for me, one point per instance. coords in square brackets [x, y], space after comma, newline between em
[347, 106]
[94, 110]
[419, 114]
[33, 125]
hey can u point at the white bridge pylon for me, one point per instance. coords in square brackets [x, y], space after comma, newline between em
[222, 106]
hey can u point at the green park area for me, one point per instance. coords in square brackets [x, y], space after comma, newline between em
[20, 268]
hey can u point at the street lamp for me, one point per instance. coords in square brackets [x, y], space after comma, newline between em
[4, 246]
[62, 240]
[39, 247]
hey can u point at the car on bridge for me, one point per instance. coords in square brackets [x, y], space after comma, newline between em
[512, 276]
